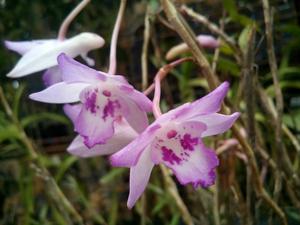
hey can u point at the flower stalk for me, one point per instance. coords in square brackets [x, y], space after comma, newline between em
[66, 23]
[114, 39]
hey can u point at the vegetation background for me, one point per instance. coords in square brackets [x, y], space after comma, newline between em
[41, 184]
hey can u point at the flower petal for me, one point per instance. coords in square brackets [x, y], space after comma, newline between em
[60, 93]
[136, 117]
[44, 56]
[139, 177]
[217, 123]
[179, 147]
[124, 135]
[73, 71]
[141, 100]
[22, 47]
[208, 41]
[129, 155]
[100, 109]
[88, 60]
[72, 111]
[52, 76]
[211, 103]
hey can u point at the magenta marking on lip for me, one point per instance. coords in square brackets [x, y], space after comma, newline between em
[170, 156]
[106, 93]
[90, 103]
[171, 134]
[188, 142]
[109, 109]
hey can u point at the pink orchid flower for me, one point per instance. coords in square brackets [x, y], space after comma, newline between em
[105, 101]
[175, 139]
[205, 41]
[123, 135]
[39, 55]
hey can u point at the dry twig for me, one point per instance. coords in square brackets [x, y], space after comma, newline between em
[189, 37]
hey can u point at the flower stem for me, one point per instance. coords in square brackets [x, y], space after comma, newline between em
[163, 72]
[114, 39]
[171, 186]
[66, 23]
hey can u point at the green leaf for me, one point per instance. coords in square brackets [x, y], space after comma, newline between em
[9, 132]
[292, 119]
[36, 118]
[17, 98]
[283, 85]
[244, 37]
[64, 166]
[110, 176]
[231, 8]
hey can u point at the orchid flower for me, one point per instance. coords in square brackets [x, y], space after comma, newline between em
[42, 54]
[38, 55]
[104, 99]
[204, 40]
[175, 139]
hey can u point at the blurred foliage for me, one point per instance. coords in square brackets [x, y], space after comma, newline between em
[98, 191]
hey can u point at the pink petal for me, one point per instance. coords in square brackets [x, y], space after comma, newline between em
[179, 147]
[52, 76]
[73, 71]
[141, 100]
[217, 123]
[208, 41]
[136, 117]
[22, 47]
[129, 155]
[72, 111]
[100, 109]
[210, 103]
[60, 93]
[117, 79]
[124, 135]
[139, 177]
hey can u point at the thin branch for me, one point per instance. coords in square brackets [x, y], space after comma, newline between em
[145, 50]
[268, 108]
[163, 72]
[217, 51]
[114, 39]
[189, 37]
[171, 186]
[212, 27]
[278, 94]
[66, 23]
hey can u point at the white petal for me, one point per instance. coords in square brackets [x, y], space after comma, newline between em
[60, 93]
[139, 177]
[44, 55]
[124, 135]
[22, 47]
